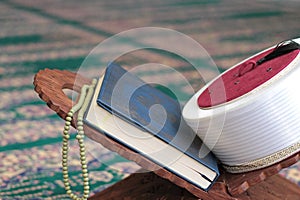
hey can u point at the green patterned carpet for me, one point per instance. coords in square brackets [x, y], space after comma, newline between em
[59, 34]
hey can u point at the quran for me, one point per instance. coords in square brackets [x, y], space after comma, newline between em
[120, 109]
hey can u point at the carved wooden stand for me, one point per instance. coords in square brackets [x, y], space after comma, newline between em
[161, 184]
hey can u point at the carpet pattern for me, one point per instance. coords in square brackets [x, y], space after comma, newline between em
[60, 34]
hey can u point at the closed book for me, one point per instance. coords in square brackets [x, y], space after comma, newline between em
[149, 122]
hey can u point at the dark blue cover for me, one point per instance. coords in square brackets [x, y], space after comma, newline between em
[148, 108]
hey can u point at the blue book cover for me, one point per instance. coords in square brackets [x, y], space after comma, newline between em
[128, 97]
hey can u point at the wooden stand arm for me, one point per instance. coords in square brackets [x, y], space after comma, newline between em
[151, 187]
[49, 84]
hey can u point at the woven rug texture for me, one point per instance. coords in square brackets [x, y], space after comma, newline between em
[55, 34]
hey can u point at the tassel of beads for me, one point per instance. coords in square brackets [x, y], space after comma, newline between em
[81, 106]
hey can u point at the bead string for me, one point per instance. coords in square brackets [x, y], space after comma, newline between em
[81, 106]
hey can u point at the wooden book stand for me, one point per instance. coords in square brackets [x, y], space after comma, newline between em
[161, 184]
